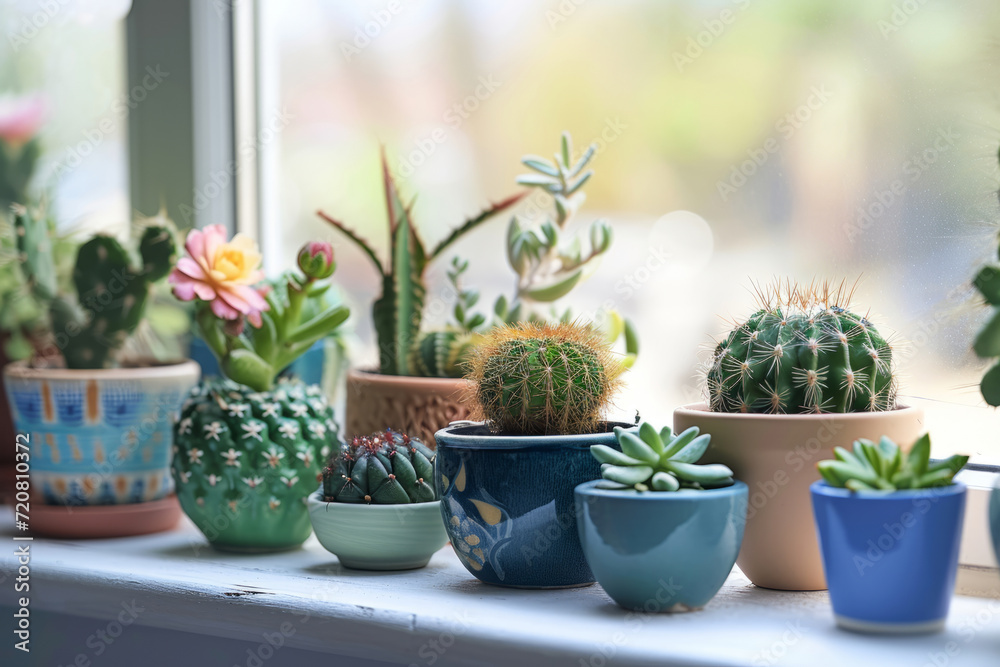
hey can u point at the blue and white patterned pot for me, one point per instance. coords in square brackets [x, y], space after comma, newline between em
[890, 558]
[508, 503]
[98, 437]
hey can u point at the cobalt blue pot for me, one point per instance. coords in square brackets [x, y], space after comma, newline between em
[661, 551]
[890, 558]
[508, 506]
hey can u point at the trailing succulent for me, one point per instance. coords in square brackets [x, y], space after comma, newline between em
[398, 312]
[884, 467]
[541, 379]
[89, 327]
[803, 351]
[659, 461]
[387, 468]
[251, 454]
[987, 342]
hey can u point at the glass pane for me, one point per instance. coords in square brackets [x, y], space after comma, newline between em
[67, 59]
[802, 139]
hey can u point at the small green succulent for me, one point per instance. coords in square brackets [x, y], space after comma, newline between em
[884, 467]
[659, 461]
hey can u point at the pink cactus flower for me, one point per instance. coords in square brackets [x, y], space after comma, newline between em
[221, 272]
[20, 118]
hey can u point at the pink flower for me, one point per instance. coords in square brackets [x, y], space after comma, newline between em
[316, 259]
[221, 272]
[20, 118]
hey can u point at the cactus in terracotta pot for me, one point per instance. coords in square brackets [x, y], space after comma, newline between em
[803, 351]
[249, 449]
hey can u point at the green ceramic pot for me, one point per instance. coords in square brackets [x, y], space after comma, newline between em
[378, 537]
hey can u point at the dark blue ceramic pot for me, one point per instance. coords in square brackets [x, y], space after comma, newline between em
[890, 558]
[508, 504]
[661, 551]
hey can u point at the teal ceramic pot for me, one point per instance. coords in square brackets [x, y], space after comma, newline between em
[378, 537]
[995, 518]
[102, 436]
[659, 551]
[508, 505]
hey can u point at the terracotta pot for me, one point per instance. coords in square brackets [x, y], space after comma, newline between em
[776, 456]
[103, 521]
[417, 406]
[98, 437]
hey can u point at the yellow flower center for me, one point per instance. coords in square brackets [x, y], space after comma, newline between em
[231, 262]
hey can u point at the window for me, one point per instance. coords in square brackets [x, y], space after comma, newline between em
[809, 140]
[70, 56]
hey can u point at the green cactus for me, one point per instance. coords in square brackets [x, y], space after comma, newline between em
[244, 461]
[446, 353]
[540, 379]
[884, 467]
[111, 295]
[987, 342]
[659, 461]
[803, 352]
[387, 468]
[398, 312]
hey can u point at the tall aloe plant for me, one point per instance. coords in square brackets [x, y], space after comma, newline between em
[398, 312]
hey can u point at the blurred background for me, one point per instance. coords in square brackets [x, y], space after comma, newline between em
[737, 141]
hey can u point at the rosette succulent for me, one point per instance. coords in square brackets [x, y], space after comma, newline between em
[387, 468]
[245, 460]
[659, 461]
[883, 466]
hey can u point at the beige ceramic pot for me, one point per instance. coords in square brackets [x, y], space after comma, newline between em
[776, 456]
[417, 406]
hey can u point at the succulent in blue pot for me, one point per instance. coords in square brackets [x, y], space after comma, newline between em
[660, 531]
[506, 482]
[376, 508]
[885, 520]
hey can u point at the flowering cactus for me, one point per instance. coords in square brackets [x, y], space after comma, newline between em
[224, 277]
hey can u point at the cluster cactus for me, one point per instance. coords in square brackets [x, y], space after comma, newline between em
[542, 379]
[244, 460]
[387, 468]
[987, 342]
[446, 353]
[90, 320]
[398, 312]
[659, 461]
[803, 351]
[884, 467]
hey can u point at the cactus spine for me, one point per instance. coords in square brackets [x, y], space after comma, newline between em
[540, 379]
[387, 468]
[803, 351]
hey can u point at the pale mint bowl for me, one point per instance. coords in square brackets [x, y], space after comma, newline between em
[378, 537]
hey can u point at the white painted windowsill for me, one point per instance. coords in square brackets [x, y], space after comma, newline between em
[441, 615]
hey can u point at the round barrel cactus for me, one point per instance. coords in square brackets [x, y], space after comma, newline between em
[540, 379]
[388, 468]
[244, 461]
[803, 353]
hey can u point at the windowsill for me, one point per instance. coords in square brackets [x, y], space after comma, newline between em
[441, 612]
